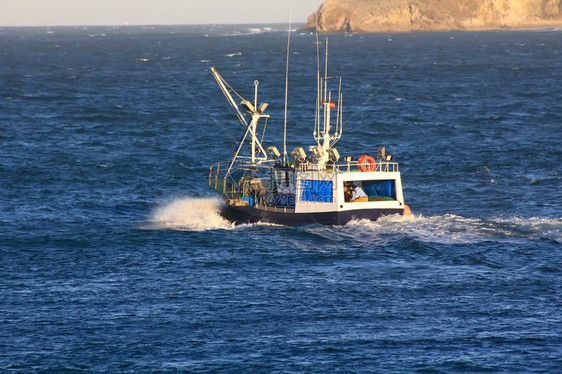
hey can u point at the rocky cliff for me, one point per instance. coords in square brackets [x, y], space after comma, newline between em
[434, 15]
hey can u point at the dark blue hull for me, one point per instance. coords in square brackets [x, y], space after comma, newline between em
[246, 214]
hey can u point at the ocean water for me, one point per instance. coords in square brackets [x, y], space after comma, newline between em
[114, 255]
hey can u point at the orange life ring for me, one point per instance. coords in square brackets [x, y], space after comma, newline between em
[366, 163]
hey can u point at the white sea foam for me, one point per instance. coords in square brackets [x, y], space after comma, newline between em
[195, 214]
[190, 214]
[202, 214]
[454, 229]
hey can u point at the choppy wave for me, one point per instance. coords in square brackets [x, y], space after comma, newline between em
[87, 156]
[454, 229]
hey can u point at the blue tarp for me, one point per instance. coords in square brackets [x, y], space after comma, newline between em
[317, 191]
[380, 188]
[249, 199]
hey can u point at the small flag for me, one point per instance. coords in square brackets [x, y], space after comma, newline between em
[332, 104]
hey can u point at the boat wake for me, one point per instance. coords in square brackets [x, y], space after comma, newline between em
[189, 214]
[204, 214]
[454, 229]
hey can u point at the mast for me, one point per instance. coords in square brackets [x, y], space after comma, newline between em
[254, 124]
[325, 103]
[287, 91]
[318, 89]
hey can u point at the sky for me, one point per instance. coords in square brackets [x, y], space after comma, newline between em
[152, 12]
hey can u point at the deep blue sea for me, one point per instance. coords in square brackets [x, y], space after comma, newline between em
[114, 256]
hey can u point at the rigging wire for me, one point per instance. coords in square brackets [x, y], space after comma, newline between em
[264, 128]
[197, 103]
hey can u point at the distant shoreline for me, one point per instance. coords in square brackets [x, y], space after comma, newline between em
[296, 27]
[555, 26]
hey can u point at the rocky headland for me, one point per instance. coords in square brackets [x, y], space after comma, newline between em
[366, 16]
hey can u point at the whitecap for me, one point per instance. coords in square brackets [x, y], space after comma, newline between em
[189, 214]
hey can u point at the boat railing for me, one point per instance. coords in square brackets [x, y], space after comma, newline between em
[380, 166]
[226, 185]
[352, 166]
[220, 182]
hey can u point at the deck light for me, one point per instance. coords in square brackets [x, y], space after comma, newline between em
[318, 152]
[382, 152]
[299, 154]
[274, 152]
[247, 105]
[333, 154]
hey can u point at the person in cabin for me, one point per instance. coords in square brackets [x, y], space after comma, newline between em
[358, 195]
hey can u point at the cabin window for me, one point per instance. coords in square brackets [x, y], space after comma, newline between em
[317, 191]
[378, 190]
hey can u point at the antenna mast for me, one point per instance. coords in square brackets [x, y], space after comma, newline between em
[287, 91]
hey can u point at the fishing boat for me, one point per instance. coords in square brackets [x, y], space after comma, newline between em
[261, 184]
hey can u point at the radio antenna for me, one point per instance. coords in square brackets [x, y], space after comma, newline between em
[287, 91]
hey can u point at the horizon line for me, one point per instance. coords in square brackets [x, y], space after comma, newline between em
[158, 24]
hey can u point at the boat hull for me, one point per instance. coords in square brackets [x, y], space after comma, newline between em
[247, 214]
